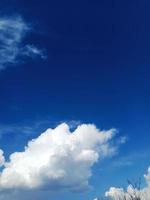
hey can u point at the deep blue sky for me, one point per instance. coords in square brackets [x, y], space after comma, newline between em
[97, 71]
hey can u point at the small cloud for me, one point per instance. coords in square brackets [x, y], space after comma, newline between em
[147, 177]
[13, 30]
[2, 159]
[32, 51]
[123, 140]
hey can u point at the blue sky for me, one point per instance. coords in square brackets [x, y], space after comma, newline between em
[77, 62]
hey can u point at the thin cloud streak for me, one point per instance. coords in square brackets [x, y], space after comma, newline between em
[13, 30]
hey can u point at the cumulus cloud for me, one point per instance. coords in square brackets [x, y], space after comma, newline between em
[12, 33]
[131, 192]
[57, 159]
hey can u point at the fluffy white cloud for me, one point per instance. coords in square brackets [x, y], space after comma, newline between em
[121, 194]
[57, 159]
[12, 32]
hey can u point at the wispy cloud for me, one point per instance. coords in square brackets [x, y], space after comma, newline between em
[13, 30]
[130, 159]
[32, 129]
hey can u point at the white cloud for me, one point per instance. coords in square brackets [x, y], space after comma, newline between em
[12, 33]
[2, 159]
[147, 176]
[58, 159]
[32, 51]
[121, 194]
